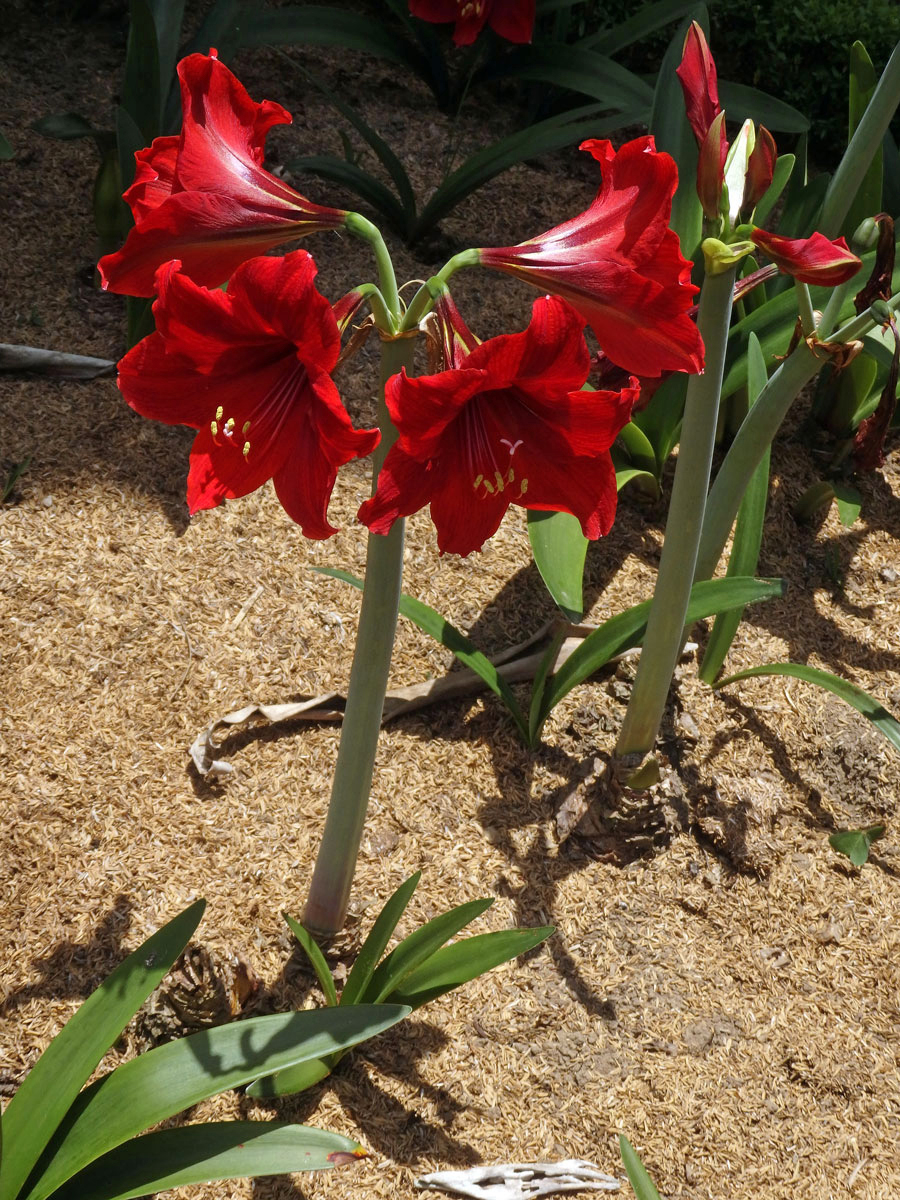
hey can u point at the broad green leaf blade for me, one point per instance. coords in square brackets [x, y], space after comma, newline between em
[648, 19]
[349, 175]
[784, 166]
[855, 844]
[65, 127]
[172, 1077]
[577, 70]
[57, 1077]
[129, 140]
[848, 501]
[860, 700]
[747, 532]
[294, 1079]
[320, 25]
[626, 629]
[640, 448]
[643, 1185]
[741, 101]
[559, 548]
[863, 81]
[454, 965]
[543, 138]
[316, 958]
[140, 89]
[376, 943]
[648, 483]
[802, 207]
[419, 947]
[660, 421]
[6, 150]
[448, 635]
[171, 1158]
[168, 16]
[669, 125]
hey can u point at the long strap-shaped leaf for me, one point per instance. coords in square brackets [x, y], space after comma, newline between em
[62, 1070]
[861, 701]
[577, 70]
[204, 1153]
[448, 635]
[626, 629]
[376, 943]
[419, 947]
[456, 964]
[165, 1081]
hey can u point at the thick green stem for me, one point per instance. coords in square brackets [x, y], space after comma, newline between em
[862, 148]
[665, 627]
[756, 433]
[362, 228]
[805, 308]
[329, 893]
[424, 299]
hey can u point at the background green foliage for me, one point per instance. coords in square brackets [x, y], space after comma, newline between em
[797, 50]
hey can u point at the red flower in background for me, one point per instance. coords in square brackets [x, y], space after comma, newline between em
[511, 19]
[813, 260]
[619, 264]
[505, 424]
[203, 196]
[250, 371]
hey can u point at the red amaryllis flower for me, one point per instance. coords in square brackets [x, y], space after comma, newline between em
[512, 19]
[504, 425]
[813, 260]
[203, 197]
[619, 264]
[700, 85]
[249, 370]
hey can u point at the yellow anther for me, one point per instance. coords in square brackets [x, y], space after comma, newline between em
[220, 412]
[229, 426]
[511, 477]
[500, 481]
[246, 450]
[245, 427]
[477, 482]
[488, 488]
[213, 428]
[523, 487]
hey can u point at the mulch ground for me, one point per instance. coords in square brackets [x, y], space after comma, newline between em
[725, 992]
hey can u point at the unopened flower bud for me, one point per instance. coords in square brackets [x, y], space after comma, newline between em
[865, 236]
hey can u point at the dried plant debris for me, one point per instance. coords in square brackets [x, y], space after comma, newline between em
[203, 989]
[521, 1181]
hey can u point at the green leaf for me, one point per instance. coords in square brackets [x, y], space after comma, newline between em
[129, 140]
[802, 207]
[416, 949]
[6, 150]
[376, 943]
[57, 1077]
[448, 635]
[539, 687]
[355, 179]
[294, 1079]
[140, 89]
[860, 700]
[660, 421]
[643, 1185]
[316, 958]
[863, 81]
[784, 166]
[577, 70]
[747, 533]
[741, 101]
[320, 25]
[559, 548]
[647, 20]
[171, 1158]
[542, 138]
[669, 125]
[456, 964]
[168, 17]
[855, 844]
[172, 1077]
[67, 127]
[648, 483]
[640, 448]
[376, 143]
[848, 501]
[626, 629]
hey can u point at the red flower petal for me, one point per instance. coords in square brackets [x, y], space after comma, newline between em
[699, 82]
[204, 197]
[249, 370]
[511, 19]
[760, 168]
[813, 260]
[619, 264]
[506, 427]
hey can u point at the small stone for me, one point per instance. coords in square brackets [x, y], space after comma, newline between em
[48, 502]
[888, 574]
[688, 727]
